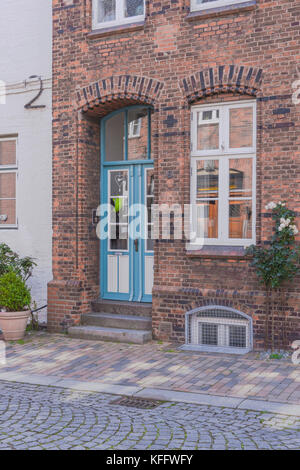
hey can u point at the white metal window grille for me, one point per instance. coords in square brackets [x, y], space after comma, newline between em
[205, 4]
[218, 329]
[8, 183]
[223, 174]
[108, 13]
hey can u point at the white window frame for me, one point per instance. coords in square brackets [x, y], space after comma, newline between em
[11, 169]
[138, 123]
[120, 18]
[214, 4]
[223, 154]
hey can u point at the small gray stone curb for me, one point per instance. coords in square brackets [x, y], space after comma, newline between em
[155, 393]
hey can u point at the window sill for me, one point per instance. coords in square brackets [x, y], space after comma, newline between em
[218, 252]
[221, 11]
[122, 28]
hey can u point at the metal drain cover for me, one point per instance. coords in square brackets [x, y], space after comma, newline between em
[135, 402]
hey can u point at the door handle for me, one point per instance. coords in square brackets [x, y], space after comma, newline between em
[136, 244]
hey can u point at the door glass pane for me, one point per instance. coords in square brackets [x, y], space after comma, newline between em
[134, 8]
[138, 134]
[208, 130]
[207, 219]
[7, 185]
[119, 183]
[240, 219]
[150, 241]
[118, 235]
[207, 178]
[114, 138]
[7, 152]
[8, 209]
[119, 210]
[106, 10]
[118, 229]
[240, 176]
[150, 193]
[150, 201]
[241, 127]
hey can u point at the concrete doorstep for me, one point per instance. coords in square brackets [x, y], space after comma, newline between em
[155, 393]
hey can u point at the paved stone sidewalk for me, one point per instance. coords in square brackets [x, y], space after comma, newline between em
[38, 417]
[157, 366]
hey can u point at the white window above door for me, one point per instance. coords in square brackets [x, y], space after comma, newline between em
[205, 4]
[108, 13]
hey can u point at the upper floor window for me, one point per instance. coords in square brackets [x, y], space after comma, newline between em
[223, 173]
[204, 4]
[117, 12]
[8, 182]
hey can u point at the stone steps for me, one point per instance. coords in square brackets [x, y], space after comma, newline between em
[139, 309]
[116, 320]
[118, 335]
[123, 322]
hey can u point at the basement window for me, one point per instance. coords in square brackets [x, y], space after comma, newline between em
[218, 329]
[107, 13]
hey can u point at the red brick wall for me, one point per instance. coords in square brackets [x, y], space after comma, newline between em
[171, 63]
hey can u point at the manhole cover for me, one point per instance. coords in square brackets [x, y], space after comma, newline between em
[134, 402]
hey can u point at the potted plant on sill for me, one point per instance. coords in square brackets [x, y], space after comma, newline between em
[15, 300]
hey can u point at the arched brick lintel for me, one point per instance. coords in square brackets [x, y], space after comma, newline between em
[101, 96]
[222, 79]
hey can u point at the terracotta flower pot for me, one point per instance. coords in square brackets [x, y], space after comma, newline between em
[13, 324]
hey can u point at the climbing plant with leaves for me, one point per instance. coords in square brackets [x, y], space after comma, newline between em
[279, 261]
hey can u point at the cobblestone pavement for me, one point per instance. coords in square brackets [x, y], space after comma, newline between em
[39, 417]
[156, 365]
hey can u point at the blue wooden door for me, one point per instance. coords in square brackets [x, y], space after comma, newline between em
[127, 187]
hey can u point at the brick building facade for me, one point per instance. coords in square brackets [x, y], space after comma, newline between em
[172, 60]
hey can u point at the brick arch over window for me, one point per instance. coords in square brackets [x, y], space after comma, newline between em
[117, 91]
[222, 79]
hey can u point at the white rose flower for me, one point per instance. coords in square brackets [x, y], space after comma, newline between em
[271, 205]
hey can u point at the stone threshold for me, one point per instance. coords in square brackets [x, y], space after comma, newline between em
[250, 404]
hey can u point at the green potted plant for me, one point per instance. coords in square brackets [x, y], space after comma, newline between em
[9, 260]
[15, 300]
